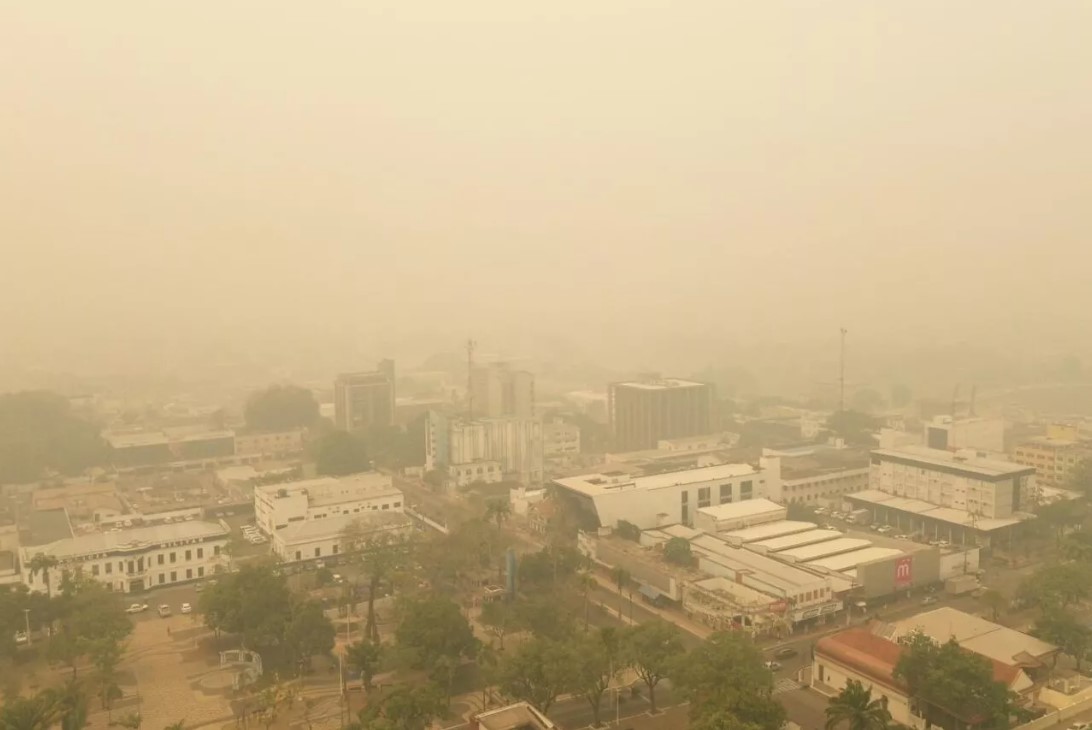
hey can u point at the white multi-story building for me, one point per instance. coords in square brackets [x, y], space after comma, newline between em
[486, 472]
[560, 440]
[515, 443]
[670, 497]
[133, 560]
[983, 434]
[325, 539]
[959, 480]
[278, 505]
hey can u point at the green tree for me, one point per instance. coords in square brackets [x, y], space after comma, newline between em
[281, 408]
[537, 672]
[365, 657]
[855, 707]
[498, 509]
[995, 601]
[677, 550]
[384, 555]
[39, 712]
[952, 686]
[89, 617]
[1056, 586]
[71, 705]
[39, 433]
[621, 578]
[546, 617]
[501, 618]
[433, 627]
[308, 633]
[855, 427]
[105, 655]
[405, 708]
[652, 649]
[43, 563]
[721, 720]
[592, 672]
[339, 453]
[1080, 477]
[253, 603]
[1063, 629]
[725, 674]
[178, 725]
[628, 531]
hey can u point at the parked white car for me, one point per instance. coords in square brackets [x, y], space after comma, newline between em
[187, 608]
[137, 608]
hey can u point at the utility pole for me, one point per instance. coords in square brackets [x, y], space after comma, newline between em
[26, 620]
[842, 374]
[470, 345]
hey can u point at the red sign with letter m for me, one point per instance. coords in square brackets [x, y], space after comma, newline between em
[904, 574]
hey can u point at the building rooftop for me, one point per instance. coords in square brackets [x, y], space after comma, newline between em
[846, 561]
[661, 384]
[136, 538]
[613, 482]
[963, 462]
[780, 576]
[131, 440]
[48, 525]
[796, 539]
[741, 595]
[739, 510]
[806, 553]
[311, 530]
[767, 531]
[930, 510]
[976, 634]
[518, 716]
[334, 490]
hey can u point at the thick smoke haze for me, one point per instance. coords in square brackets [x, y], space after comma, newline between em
[652, 183]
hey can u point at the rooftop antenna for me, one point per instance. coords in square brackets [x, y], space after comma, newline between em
[470, 345]
[842, 374]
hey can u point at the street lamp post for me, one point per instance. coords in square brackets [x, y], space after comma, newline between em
[26, 620]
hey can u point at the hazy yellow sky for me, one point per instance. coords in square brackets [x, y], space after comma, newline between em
[717, 168]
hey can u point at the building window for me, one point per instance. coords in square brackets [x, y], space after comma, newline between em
[703, 497]
[159, 559]
[397, 504]
[318, 552]
[201, 572]
[746, 489]
[94, 569]
[725, 493]
[189, 555]
[200, 553]
[162, 579]
[386, 506]
[299, 555]
[336, 548]
[174, 557]
[189, 573]
[109, 568]
[174, 576]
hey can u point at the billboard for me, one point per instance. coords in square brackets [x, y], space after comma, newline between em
[904, 574]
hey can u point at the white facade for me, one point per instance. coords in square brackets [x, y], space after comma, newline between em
[134, 560]
[982, 434]
[738, 515]
[325, 539]
[670, 497]
[560, 439]
[275, 443]
[278, 505]
[956, 480]
[515, 443]
[486, 472]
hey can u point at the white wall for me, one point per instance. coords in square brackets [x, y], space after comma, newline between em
[834, 675]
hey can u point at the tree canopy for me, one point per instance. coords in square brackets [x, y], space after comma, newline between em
[954, 686]
[280, 408]
[652, 649]
[338, 453]
[39, 433]
[677, 550]
[854, 707]
[434, 627]
[538, 672]
[725, 674]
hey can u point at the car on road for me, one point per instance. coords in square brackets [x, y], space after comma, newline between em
[20, 638]
[199, 587]
[187, 608]
[928, 600]
[1081, 726]
[164, 610]
[137, 608]
[785, 652]
[772, 666]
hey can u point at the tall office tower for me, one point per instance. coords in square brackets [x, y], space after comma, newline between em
[643, 412]
[365, 399]
[497, 391]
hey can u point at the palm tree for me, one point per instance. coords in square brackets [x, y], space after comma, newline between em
[71, 705]
[854, 705]
[586, 582]
[995, 601]
[41, 563]
[34, 713]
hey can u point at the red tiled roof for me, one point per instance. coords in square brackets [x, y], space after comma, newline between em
[876, 657]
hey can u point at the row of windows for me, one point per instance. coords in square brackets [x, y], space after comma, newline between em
[137, 566]
[174, 575]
